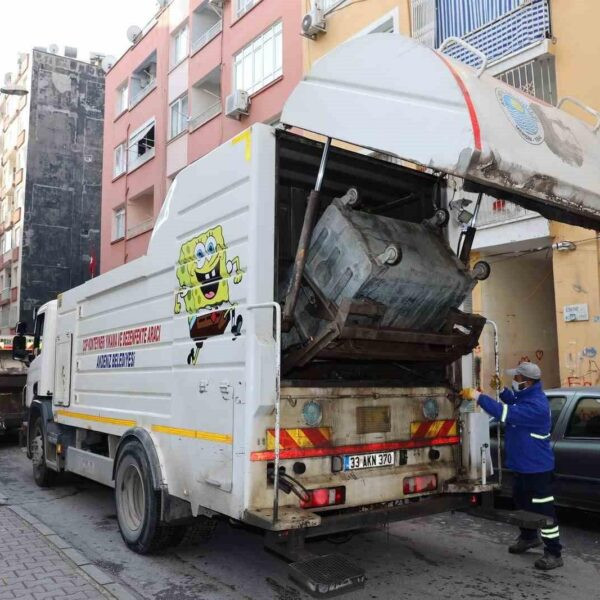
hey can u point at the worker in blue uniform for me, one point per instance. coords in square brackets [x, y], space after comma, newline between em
[525, 410]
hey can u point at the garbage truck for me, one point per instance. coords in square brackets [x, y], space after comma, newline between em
[285, 353]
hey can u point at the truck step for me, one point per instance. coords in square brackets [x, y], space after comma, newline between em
[327, 576]
[520, 518]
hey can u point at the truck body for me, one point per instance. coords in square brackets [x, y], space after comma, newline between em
[170, 378]
[13, 376]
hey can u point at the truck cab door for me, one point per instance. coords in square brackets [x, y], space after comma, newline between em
[62, 371]
[577, 452]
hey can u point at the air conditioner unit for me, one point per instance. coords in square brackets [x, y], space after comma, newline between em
[237, 104]
[313, 23]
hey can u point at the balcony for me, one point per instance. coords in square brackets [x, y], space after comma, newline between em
[204, 117]
[207, 36]
[143, 80]
[494, 211]
[5, 295]
[140, 228]
[205, 99]
[513, 32]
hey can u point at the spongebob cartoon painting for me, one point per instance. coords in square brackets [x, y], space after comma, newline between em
[204, 275]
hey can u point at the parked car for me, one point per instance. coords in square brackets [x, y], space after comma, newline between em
[576, 444]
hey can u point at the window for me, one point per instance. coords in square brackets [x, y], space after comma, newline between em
[119, 165]
[118, 224]
[141, 146]
[260, 62]
[19, 197]
[38, 334]
[556, 406]
[17, 236]
[179, 116]
[180, 45]
[585, 420]
[122, 98]
[243, 6]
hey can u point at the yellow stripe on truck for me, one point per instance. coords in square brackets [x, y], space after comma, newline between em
[96, 418]
[222, 438]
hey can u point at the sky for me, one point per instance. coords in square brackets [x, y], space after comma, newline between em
[88, 25]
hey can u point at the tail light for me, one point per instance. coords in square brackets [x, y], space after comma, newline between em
[324, 497]
[420, 484]
[475, 500]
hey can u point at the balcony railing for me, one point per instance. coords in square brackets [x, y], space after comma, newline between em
[140, 228]
[207, 36]
[494, 211]
[205, 116]
[518, 29]
[142, 93]
[4, 294]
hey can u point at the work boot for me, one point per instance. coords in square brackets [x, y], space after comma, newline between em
[548, 562]
[521, 545]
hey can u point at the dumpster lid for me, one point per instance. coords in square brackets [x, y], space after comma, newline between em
[391, 94]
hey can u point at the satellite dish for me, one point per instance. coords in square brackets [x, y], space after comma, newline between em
[53, 49]
[133, 33]
[107, 63]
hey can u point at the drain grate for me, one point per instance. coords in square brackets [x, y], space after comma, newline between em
[327, 576]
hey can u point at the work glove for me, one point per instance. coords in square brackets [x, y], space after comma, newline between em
[470, 394]
[496, 382]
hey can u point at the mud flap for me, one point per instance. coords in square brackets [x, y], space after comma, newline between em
[327, 576]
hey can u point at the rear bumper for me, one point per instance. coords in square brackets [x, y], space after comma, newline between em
[326, 523]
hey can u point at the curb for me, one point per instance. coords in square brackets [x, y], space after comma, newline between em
[86, 568]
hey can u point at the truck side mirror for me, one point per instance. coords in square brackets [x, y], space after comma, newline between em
[19, 348]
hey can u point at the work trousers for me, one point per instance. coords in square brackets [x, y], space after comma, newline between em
[533, 492]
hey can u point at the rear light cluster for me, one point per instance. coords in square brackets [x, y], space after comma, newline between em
[420, 484]
[324, 497]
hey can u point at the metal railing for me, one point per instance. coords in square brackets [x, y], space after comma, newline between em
[536, 77]
[142, 93]
[525, 26]
[493, 211]
[203, 117]
[207, 36]
[141, 227]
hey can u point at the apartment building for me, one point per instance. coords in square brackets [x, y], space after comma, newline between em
[199, 73]
[50, 177]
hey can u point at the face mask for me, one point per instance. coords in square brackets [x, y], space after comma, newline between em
[516, 385]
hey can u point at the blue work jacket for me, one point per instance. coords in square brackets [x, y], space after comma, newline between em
[528, 422]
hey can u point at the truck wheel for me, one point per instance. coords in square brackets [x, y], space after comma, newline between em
[138, 504]
[42, 474]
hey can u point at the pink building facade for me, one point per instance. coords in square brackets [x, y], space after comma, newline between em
[166, 102]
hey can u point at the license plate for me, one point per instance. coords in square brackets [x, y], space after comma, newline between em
[368, 461]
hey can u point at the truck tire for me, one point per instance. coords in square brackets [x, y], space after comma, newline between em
[42, 474]
[138, 504]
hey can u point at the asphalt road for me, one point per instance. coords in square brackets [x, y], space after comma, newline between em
[446, 556]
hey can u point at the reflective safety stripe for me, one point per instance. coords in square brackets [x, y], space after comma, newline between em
[542, 500]
[550, 536]
[539, 437]
[504, 413]
[551, 530]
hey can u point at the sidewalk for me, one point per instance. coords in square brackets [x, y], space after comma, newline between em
[37, 564]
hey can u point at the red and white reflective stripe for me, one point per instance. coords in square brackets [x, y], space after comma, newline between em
[468, 102]
[354, 449]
